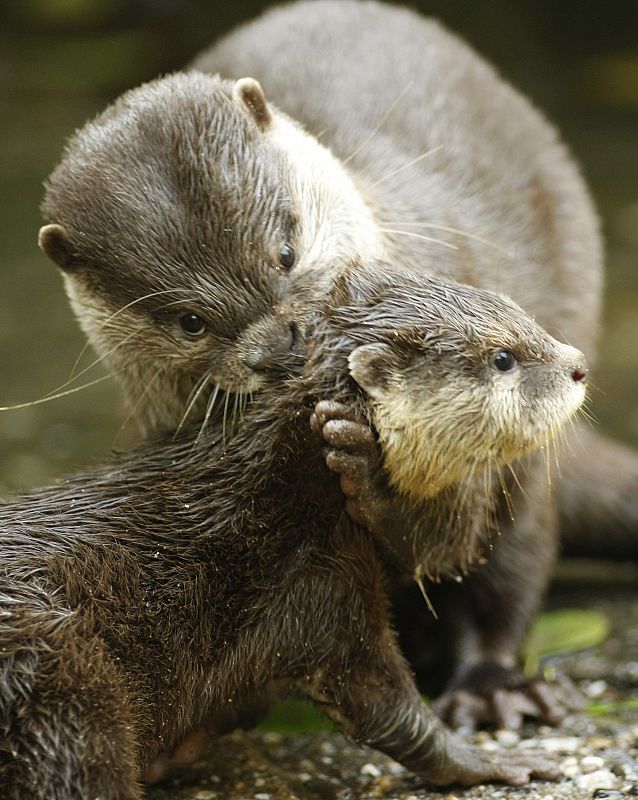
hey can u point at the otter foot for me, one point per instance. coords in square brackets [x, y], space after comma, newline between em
[352, 452]
[492, 695]
[469, 765]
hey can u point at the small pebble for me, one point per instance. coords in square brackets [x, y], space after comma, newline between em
[569, 767]
[596, 689]
[591, 763]
[205, 796]
[600, 779]
[562, 744]
[304, 777]
[370, 770]
[262, 796]
[507, 738]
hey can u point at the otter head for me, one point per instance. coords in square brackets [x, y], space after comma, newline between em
[179, 226]
[459, 379]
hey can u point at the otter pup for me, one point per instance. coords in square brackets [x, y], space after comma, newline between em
[143, 595]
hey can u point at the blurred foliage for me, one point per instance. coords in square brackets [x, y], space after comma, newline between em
[563, 631]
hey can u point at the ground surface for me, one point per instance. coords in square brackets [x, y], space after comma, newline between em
[598, 753]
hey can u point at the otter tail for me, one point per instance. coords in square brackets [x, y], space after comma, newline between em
[598, 498]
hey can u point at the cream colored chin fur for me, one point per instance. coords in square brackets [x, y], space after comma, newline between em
[448, 436]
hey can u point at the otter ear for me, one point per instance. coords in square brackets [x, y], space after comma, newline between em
[373, 367]
[54, 242]
[250, 93]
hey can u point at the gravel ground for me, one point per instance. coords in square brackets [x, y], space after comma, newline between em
[598, 754]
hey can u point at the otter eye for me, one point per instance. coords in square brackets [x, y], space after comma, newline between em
[504, 361]
[287, 256]
[192, 324]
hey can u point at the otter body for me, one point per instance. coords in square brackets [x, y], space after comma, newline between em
[428, 145]
[190, 575]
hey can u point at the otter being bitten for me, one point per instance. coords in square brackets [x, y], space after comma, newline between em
[188, 575]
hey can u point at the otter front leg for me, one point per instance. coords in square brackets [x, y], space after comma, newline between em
[363, 684]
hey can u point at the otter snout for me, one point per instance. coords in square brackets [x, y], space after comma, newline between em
[576, 364]
[268, 344]
[581, 372]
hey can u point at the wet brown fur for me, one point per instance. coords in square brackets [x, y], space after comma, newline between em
[188, 575]
[516, 207]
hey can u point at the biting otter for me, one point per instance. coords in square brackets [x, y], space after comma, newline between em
[129, 611]
[174, 236]
[430, 159]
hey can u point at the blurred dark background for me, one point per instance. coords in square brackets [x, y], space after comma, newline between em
[61, 61]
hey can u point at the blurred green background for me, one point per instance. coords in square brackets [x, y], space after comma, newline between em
[61, 61]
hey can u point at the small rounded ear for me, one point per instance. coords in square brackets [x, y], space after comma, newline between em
[250, 93]
[373, 366]
[54, 242]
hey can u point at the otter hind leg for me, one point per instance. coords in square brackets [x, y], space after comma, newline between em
[66, 730]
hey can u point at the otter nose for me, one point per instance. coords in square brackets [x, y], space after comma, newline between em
[270, 354]
[580, 373]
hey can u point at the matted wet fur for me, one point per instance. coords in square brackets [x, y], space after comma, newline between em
[430, 159]
[190, 575]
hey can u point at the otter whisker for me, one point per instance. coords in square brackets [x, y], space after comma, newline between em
[224, 418]
[379, 125]
[110, 318]
[135, 406]
[209, 410]
[514, 474]
[450, 229]
[420, 236]
[55, 396]
[506, 493]
[99, 360]
[419, 582]
[193, 397]
[407, 166]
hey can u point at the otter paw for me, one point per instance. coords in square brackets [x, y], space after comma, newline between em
[469, 765]
[490, 695]
[351, 451]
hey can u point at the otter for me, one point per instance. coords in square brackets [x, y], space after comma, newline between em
[500, 194]
[146, 594]
[154, 284]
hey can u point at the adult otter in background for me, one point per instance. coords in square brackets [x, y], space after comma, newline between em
[142, 596]
[207, 166]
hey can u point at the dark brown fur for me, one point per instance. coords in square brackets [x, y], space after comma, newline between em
[502, 178]
[187, 576]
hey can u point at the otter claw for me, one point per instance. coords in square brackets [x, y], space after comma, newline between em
[506, 704]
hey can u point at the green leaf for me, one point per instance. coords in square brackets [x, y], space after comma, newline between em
[295, 716]
[612, 709]
[563, 631]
